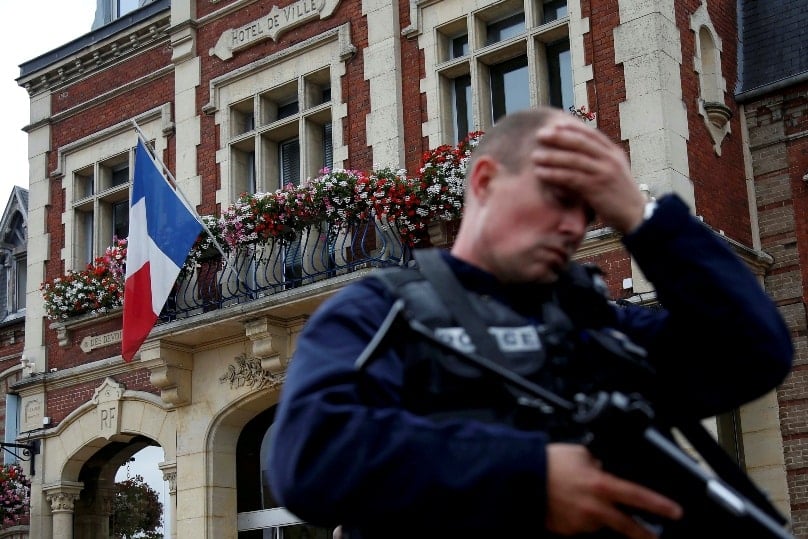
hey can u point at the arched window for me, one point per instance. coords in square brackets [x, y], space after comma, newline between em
[710, 70]
[712, 86]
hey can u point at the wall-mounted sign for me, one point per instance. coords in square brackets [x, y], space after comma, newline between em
[91, 342]
[279, 20]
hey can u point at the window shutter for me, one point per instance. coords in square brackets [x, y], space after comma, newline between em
[328, 147]
[290, 162]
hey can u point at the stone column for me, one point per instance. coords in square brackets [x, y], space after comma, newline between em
[170, 474]
[62, 498]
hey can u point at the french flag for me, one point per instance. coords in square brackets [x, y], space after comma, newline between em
[162, 230]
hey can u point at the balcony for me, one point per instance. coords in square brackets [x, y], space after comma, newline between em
[284, 279]
[314, 255]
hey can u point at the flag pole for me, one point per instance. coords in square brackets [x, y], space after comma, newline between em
[174, 185]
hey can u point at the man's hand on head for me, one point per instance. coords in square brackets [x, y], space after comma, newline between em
[577, 157]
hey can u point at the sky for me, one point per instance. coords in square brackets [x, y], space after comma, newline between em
[35, 27]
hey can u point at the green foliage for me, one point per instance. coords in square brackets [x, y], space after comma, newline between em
[136, 511]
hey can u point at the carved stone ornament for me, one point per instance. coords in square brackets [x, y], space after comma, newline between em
[716, 117]
[718, 113]
[62, 496]
[248, 371]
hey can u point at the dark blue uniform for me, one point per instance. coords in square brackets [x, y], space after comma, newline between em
[347, 448]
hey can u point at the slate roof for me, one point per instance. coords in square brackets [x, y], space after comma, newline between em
[774, 43]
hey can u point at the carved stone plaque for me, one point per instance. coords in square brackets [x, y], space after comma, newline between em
[91, 342]
[107, 400]
[272, 25]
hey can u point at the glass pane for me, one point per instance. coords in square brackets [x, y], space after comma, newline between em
[242, 117]
[287, 110]
[252, 186]
[505, 28]
[120, 174]
[125, 6]
[460, 46]
[554, 10]
[290, 162]
[461, 95]
[84, 183]
[21, 275]
[120, 219]
[85, 237]
[509, 87]
[559, 66]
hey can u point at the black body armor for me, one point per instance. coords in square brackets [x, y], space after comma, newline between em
[570, 349]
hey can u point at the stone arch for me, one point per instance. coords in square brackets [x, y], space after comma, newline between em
[81, 456]
[139, 414]
[221, 441]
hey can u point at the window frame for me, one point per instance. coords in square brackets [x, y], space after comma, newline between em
[296, 109]
[323, 59]
[19, 276]
[446, 62]
[95, 213]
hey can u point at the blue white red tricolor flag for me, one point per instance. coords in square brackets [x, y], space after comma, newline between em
[162, 230]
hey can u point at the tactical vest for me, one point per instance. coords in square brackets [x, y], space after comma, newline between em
[572, 349]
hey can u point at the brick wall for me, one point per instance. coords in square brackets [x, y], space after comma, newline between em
[778, 132]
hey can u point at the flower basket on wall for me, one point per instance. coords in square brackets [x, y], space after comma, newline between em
[15, 496]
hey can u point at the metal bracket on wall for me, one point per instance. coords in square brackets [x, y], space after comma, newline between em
[29, 452]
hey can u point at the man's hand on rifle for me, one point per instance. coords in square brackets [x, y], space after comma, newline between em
[583, 498]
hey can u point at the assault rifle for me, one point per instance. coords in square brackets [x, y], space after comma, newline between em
[621, 426]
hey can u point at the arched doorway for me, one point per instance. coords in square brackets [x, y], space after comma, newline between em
[94, 508]
[72, 497]
[260, 515]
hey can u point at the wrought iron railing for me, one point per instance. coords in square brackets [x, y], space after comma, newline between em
[256, 271]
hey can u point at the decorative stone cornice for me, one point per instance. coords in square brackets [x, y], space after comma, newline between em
[94, 59]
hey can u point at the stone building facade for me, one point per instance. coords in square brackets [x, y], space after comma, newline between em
[250, 95]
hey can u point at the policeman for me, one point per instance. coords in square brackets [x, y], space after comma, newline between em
[419, 443]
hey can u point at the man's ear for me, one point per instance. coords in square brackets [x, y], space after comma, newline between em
[484, 170]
